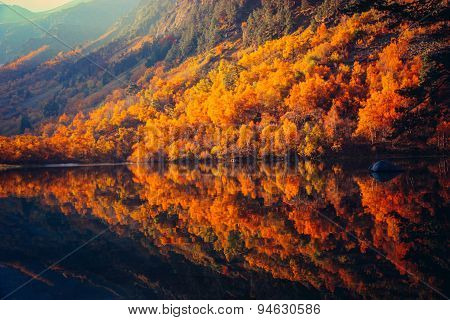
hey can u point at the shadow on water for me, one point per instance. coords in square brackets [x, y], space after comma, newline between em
[302, 231]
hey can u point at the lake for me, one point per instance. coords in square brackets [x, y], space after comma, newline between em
[305, 230]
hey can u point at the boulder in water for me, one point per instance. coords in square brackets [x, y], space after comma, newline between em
[384, 166]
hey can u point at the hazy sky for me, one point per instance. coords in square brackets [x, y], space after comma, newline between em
[37, 5]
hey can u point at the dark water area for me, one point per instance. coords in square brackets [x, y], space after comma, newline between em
[307, 230]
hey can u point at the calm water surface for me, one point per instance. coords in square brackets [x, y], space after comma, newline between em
[300, 231]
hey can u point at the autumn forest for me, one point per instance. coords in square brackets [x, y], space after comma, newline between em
[307, 80]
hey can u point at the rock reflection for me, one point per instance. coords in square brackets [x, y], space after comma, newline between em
[385, 176]
[337, 231]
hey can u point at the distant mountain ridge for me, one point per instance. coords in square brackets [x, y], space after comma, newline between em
[68, 5]
[10, 13]
[14, 14]
[76, 22]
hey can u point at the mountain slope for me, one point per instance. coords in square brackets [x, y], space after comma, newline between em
[339, 75]
[156, 30]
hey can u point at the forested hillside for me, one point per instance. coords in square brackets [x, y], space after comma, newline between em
[230, 79]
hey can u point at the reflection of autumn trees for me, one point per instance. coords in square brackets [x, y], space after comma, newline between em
[400, 209]
[273, 219]
[81, 191]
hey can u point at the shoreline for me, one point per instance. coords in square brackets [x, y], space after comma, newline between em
[236, 161]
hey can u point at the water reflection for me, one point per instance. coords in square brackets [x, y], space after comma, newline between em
[309, 230]
[385, 176]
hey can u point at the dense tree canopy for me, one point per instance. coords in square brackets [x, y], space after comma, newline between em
[315, 91]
